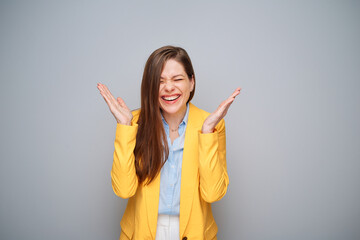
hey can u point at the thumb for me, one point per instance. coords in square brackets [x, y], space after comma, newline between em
[121, 102]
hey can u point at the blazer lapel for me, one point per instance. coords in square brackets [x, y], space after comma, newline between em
[189, 172]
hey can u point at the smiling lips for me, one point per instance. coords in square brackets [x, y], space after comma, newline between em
[170, 98]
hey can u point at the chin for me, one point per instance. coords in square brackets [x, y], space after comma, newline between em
[172, 109]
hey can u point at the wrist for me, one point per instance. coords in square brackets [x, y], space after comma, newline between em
[124, 123]
[207, 130]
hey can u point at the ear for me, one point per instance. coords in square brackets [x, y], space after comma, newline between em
[192, 81]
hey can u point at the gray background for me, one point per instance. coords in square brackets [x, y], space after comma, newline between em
[293, 134]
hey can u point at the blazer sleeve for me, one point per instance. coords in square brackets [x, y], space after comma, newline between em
[123, 173]
[214, 178]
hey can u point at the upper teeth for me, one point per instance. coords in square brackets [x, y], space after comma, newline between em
[171, 98]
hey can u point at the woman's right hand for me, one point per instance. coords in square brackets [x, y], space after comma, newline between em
[117, 106]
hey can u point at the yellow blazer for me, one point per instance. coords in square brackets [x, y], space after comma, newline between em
[204, 179]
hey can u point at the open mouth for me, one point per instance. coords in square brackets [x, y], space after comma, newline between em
[170, 98]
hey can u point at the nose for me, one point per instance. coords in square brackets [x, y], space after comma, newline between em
[169, 86]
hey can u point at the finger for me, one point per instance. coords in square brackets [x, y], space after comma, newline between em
[223, 111]
[99, 86]
[235, 93]
[110, 97]
[106, 91]
[107, 97]
[122, 103]
[226, 104]
[101, 89]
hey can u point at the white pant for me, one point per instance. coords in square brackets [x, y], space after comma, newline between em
[167, 227]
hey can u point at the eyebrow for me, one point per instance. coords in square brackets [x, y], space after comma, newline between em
[174, 76]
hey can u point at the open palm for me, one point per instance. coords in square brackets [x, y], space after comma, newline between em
[117, 106]
[214, 118]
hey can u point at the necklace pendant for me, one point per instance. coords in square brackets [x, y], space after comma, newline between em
[174, 130]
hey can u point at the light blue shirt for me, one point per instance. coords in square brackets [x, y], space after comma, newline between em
[170, 178]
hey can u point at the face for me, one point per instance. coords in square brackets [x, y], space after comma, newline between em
[175, 88]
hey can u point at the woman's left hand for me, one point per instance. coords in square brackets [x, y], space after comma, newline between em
[214, 118]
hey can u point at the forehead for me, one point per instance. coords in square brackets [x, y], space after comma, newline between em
[172, 68]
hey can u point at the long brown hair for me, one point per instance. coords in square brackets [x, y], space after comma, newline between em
[151, 149]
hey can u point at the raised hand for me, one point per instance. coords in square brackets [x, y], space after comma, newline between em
[214, 118]
[117, 106]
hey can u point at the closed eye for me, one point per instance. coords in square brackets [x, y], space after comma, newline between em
[178, 79]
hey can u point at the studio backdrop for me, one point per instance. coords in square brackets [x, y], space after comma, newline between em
[293, 133]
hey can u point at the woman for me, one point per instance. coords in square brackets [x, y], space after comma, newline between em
[169, 157]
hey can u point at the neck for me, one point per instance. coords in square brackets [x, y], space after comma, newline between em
[174, 120]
